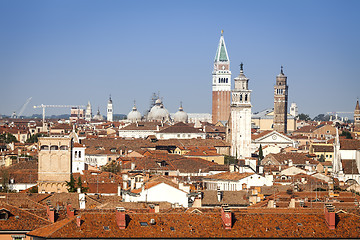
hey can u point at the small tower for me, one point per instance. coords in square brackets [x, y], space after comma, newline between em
[357, 116]
[88, 112]
[221, 84]
[109, 110]
[294, 111]
[240, 117]
[280, 102]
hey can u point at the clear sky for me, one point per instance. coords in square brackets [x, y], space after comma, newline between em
[72, 52]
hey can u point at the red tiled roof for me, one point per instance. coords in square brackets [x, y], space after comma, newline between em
[180, 127]
[257, 224]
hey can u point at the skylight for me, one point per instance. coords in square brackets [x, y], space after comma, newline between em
[143, 224]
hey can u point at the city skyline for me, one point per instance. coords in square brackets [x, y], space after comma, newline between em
[74, 52]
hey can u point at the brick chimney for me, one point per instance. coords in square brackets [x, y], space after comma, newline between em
[78, 221]
[226, 216]
[120, 217]
[70, 211]
[330, 216]
[50, 213]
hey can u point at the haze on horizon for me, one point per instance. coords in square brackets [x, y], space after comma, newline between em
[72, 52]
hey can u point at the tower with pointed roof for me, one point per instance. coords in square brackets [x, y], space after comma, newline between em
[240, 117]
[221, 84]
[280, 103]
[109, 110]
[357, 116]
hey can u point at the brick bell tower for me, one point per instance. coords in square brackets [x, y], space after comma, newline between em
[221, 84]
[280, 102]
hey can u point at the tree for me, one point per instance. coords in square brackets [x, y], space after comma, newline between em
[80, 185]
[229, 160]
[261, 155]
[4, 181]
[322, 158]
[346, 134]
[35, 138]
[71, 184]
[303, 116]
[8, 138]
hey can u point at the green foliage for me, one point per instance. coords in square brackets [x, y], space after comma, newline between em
[261, 155]
[303, 116]
[346, 134]
[322, 158]
[113, 167]
[7, 138]
[230, 160]
[34, 138]
[4, 181]
[71, 184]
[34, 189]
[80, 185]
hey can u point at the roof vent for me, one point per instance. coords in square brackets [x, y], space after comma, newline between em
[152, 221]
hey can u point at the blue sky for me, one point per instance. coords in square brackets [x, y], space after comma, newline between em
[72, 52]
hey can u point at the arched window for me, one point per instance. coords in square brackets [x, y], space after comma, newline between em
[246, 98]
[227, 80]
[54, 147]
[79, 154]
[44, 147]
[64, 147]
[75, 154]
[240, 97]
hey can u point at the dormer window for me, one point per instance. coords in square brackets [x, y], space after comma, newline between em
[4, 214]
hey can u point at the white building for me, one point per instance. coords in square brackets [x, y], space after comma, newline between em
[158, 190]
[235, 181]
[240, 117]
[271, 140]
[294, 111]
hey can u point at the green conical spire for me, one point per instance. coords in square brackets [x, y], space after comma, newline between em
[221, 53]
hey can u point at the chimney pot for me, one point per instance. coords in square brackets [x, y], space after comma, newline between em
[330, 216]
[78, 221]
[226, 216]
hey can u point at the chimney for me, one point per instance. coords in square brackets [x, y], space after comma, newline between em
[51, 213]
[226, 216]
[219, 195]
[78, 190]
[78, 221]
[70, 211]
[330, 216]
[151, 208]
[120, 217]
[132, 166]
[292, 203]
[157, 208]
[157, 128]
[119, 190]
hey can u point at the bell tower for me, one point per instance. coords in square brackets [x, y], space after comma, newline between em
[240, 118]
[280, 103]
[357, 116]
[109, 110]
[221, 83]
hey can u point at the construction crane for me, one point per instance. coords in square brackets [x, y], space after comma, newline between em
[43, 106]
[22, 109]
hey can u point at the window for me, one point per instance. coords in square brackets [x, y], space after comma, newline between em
[63, 147]
[79, 154]
[246, 97]
[75, 154]
[44, 147]
[4, 215]
[54, 147]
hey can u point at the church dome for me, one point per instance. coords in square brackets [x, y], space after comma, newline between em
[134, 115]
[181, 115]
[158, 112]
